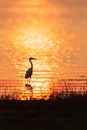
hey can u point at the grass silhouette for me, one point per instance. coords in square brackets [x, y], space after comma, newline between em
[66, 113]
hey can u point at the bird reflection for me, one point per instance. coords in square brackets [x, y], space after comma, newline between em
[29, 87]
[29, 72]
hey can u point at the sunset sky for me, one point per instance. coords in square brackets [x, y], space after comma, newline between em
[53, 31]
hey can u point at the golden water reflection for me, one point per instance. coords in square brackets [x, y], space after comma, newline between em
[54, 60]
[54, 32]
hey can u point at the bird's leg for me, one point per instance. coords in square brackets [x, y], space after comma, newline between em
[29, 80]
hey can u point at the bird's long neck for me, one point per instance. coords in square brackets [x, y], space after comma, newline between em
[31, 64]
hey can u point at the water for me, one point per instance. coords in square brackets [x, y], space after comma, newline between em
[53, 32]
[41, 87]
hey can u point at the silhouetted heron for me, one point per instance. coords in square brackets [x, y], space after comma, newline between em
[29, 72]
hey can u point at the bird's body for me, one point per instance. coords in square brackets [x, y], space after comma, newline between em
[29, 72]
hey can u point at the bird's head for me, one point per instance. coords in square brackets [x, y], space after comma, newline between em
[31, 58]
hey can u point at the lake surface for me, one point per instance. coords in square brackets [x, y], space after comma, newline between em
[53, 32]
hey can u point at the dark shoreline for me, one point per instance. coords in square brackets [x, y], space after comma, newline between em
[67, 113]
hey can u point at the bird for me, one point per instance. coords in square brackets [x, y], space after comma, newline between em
[29, 71]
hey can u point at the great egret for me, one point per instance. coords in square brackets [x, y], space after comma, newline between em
[29, 72]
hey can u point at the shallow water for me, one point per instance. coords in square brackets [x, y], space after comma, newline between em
[53, 32]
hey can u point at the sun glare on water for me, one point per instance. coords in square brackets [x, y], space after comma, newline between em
[37, 43]
[53, 32]
[36, 38]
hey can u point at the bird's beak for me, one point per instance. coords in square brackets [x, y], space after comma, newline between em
[34, 59]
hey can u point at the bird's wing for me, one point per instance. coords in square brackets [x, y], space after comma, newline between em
[28, 73]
